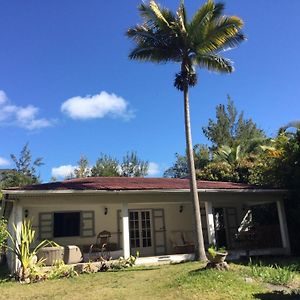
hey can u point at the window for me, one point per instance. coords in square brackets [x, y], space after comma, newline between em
[66, 224]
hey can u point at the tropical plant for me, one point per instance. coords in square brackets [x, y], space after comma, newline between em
[164, 37]
[61, 270]
[231, 155]
[22, 241]
[218, 171]
[293, 124]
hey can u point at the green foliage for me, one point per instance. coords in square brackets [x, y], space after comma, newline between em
[25, 171]
[273, 273]
[106, 166]
[14, 179]
[213, 251]
[3, 233]
[82, 169]
[279, 165]
[231, 128]
[61, 270]
[165, 36]
[22, 242]
[133, 166]
[236, 148]
[218, 171]
[123, 263]
[180, 167]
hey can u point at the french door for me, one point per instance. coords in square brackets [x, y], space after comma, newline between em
[141, 232]
[147, 231]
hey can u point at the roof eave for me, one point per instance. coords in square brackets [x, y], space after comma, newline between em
[144, 191]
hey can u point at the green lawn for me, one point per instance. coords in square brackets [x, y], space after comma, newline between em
[182, 281]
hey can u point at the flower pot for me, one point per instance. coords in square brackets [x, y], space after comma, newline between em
[218, 258]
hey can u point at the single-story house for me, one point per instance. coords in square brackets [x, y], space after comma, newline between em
[149, 216]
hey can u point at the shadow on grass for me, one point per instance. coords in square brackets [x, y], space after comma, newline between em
[282, 261]
[278, 296]
[135, 269]
[4, 273]
[199, 271]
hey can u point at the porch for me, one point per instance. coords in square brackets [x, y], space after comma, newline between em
[156, 223]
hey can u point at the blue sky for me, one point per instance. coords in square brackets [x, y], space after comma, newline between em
[55, 53]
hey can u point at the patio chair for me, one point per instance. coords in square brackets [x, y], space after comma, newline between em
[101, 246]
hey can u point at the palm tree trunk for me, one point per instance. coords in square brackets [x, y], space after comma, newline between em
[199, 245]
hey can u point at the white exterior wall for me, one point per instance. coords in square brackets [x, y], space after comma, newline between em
[170, 202]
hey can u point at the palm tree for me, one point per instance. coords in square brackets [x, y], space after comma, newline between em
[293, 124]
[165, 36]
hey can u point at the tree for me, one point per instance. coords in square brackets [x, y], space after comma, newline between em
[25, 171]
[218, 171]
[82, 169]
[106, 166]
[168, 37]
[279, 166]
[180, 167]
[231, 129]
[133, 166]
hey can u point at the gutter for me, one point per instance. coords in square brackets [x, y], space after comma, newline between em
[154, 191]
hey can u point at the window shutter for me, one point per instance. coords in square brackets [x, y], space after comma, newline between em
[45, 225]
[87, 223]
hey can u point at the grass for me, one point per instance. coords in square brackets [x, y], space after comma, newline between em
[182, 281]
[274, 274]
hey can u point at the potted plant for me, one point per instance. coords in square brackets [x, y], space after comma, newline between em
[217, 256]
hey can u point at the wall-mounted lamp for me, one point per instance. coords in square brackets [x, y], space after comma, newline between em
[26, 213]
[181, 208]
[105, 210]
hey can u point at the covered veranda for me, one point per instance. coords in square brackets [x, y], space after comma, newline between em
[152, 217]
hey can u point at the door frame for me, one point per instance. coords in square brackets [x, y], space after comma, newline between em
[153, 229]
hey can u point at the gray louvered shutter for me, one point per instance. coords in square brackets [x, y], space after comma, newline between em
[45, 225]
[87, 223]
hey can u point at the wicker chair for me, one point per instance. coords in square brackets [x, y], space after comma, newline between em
[101, 246]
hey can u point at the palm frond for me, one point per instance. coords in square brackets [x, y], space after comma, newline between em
[182, 17]
[154, 16]
[214, 63]
[202, 18]
[141, 34]
[154, 54]
[223, 33]
[293, 124]
[218, 10]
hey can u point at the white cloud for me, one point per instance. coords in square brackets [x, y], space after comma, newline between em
[3, 97]
[97, 106]
[4, 162]
[21, 116]
[154, 169]
[63, 171]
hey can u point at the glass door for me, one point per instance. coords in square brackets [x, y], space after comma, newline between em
[140, 229]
